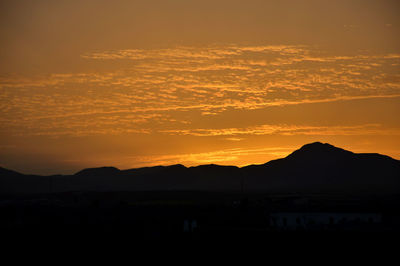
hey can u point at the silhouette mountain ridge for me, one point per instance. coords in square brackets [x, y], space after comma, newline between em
[4, 171]
[98, 170]
[315, 167]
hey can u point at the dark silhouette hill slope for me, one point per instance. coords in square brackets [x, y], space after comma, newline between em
[101, 171]
[6, 172]
[314, 168]
[319, 167]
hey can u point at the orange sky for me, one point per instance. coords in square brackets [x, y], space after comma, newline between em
[141, 83]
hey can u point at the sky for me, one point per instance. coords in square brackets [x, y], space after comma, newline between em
[160, 82]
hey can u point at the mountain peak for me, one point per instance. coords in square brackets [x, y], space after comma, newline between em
[317, 146]
[318, 150]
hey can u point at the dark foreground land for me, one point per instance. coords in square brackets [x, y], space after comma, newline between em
[318, 189]
[196, 215]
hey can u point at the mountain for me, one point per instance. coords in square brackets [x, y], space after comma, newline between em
[101, 171]
[6, 172]
[319, 167]
[12, 182]
[314, 168]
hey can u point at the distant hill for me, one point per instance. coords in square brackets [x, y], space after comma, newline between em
[319, 167]
[314, 168]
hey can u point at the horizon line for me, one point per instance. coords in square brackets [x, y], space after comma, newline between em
[193, 166]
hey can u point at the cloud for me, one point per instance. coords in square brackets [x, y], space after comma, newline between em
[163, 84]
[288, 130]
[187, 52]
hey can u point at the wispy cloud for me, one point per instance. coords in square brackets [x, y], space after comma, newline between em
[163, 84]
[367, 129]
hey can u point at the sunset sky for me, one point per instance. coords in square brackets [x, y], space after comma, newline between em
[158, 82]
